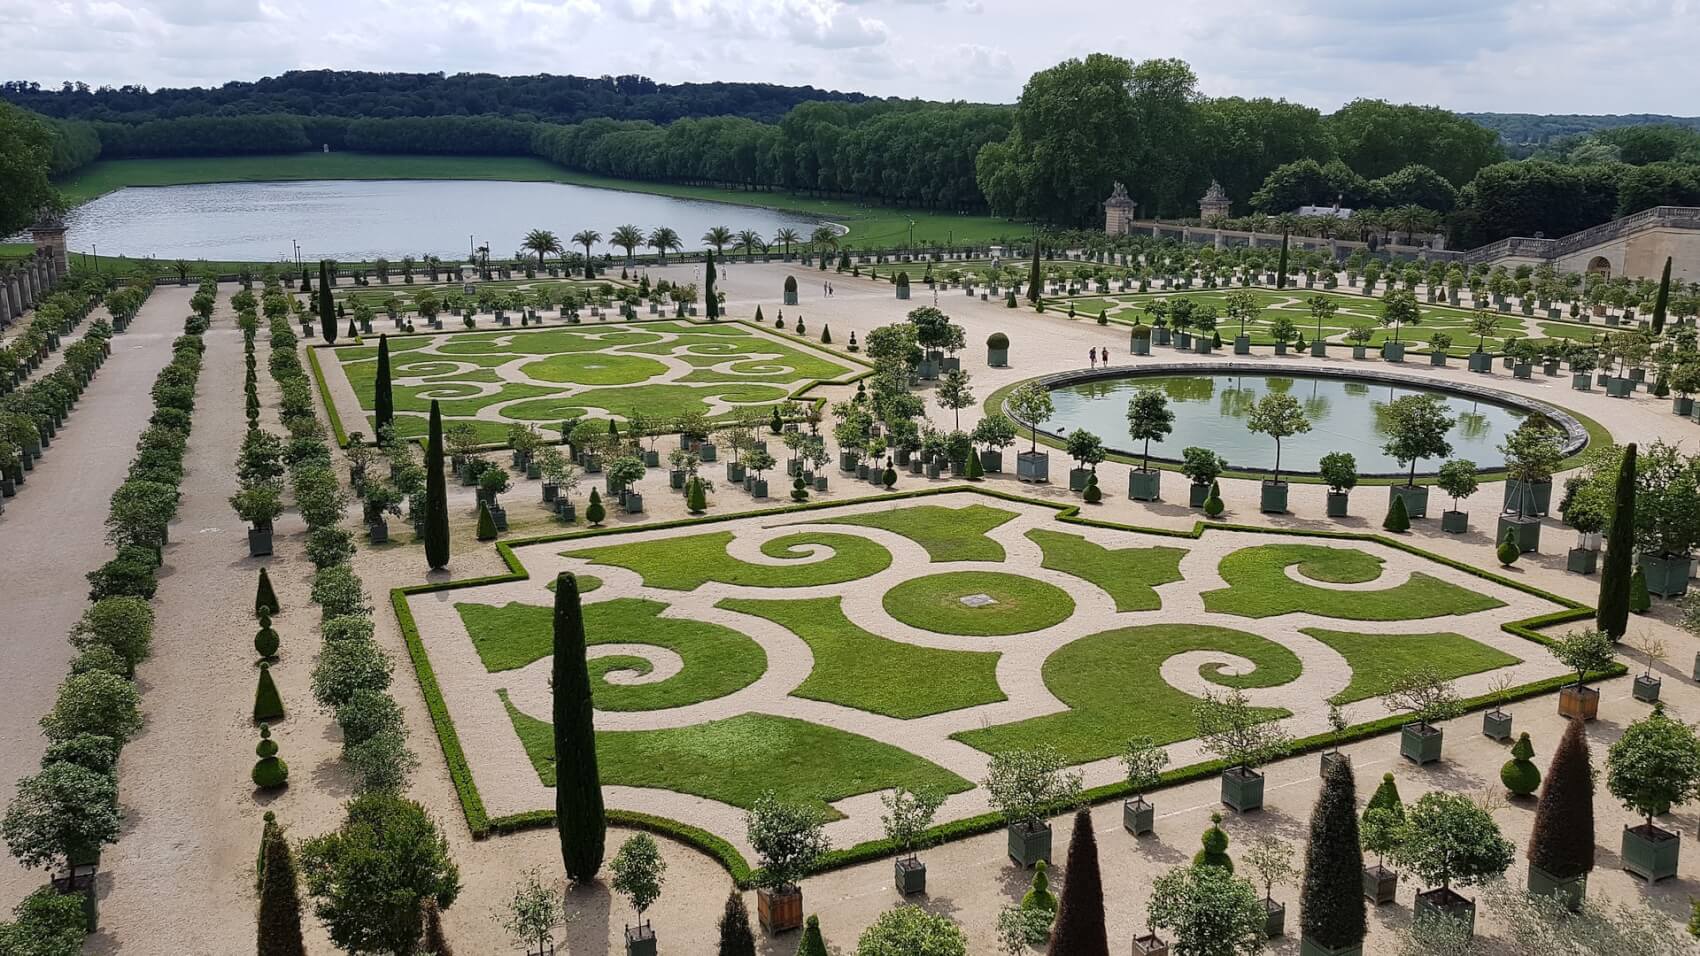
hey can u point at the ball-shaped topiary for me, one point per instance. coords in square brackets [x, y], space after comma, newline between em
[998, 340]
[1398, 518]
[270, 772]
[1520, 775]
[265, 640]
[1215, 852]
[1213, 505]
[1092, 494]
[1508, 551]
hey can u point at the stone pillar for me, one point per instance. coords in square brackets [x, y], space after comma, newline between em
[6, 314]
[48, 235]
[27, 287]
[1221, 241]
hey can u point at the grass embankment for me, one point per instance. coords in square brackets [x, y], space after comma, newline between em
[868, 225]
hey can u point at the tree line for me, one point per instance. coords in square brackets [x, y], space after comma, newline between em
[357, 93]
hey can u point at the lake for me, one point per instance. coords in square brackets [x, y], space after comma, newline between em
[1345, 415]
[351, 220]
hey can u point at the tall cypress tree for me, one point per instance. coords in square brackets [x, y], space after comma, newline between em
[578, 787]
[1331, 906]
[383, 401]
[1281, 270]
[1662, 302]
[279, 924]
[735, 936]
[1080, 918]
[436, 496]
[1612, 618]
[1033, 274]
[708, 289]
[327, 309]
[1562, 843]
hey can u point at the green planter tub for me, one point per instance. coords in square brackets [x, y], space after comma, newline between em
[1582, 561]
[1274, 500]
[1444, 902]
[1029, 844]
[1138, 816]
[1667, 576]
[1650, 852]
[1416, 499]
[1145, 485]
[1455, 522]
[1571, 890]
[1242, 789]
[1526, 532]
[1420, 743]
[1337, 502]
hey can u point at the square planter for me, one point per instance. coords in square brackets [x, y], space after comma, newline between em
[1029, 844]
[1645, 689]
[933, 468]
[820, 482]
[1393, 351]
[1337, 502]
[1667, 577]
[1549, 367]
[1310, 947]
[1571, 891]
[910, 875]
[500, 516]
[1242, 789]
[634, 503]
[1620, 387]
[781, 910]
[991, 461]
[1330, 758]
[1523, 370]
[1242, 345]
[378, 532]
[1202, 345]
[1033, 466]
[1444, 902]
[1582, 561]
[1319, 349]
[1150, 945]
[1455, 522]
[1077, 478]
[1141, 345]
[1533, 499]
[1160, 334]
[1650, 852]
[640, 940]
[1682, 405]
[1381, 884]
[862, 471]
[1481, 362]
[734, 471]
[1574, 701]
[567, 511]
[550, 492]
[652, 459]
[1274, 498]
[676, 480]
[1145, 485]
[1275, 919]
[915, 466]
[1416, 499]
[1496, 724]
[758, 488]
[259, 542]
[1358, 352]
[1526, 531]
[1437, 359]
[1138, 816]
[1196, 493]
[1420, 743]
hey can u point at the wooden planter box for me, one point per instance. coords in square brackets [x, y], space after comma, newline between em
[1571, 891]
[1650, 852]
[1581, 381]
[991, 461]
[1526, 532]
[1481, 362]
[910, 875]
[1242, 789]
[1275, 919]
[1437, 358]
[1536, 499]
[1150, 945]
[1381, 884]
[1138, 816]
[1242, 345]
[1330, 758]
[1310, 947]
[1496, 724]
[1420, 743]
[1444, 902]
[1077, 478]
[259, 542]
[1319, 349]
[1029, 844]
[1033, 466]
[781, 910]
[1393, 351]
[1574, 701]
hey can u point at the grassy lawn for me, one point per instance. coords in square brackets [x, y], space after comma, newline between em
[1114, 688]
[1377, 660]
[737, 759]
[948, 534]
[718, 660]
[1130, 575]
[869, 225]
[1259, 587]
[857, 669]
[1020, 604]
[683, 564]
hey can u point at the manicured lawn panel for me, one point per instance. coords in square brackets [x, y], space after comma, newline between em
[1377, 660]
[737, 759]
[1130, 575]
[1258, 587]
[1113, 685]
[855, 668]
[1020, 604]
[948, 534]
[683, 564]
[718, 660]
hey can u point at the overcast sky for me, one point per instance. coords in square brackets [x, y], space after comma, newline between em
[1542, 56]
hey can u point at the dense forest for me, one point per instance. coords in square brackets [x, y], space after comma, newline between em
[1077, 129]
[1524, 133]
[352, 93]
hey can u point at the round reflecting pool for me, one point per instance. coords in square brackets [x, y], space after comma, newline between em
[1345, 415]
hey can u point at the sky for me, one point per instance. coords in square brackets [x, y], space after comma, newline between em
[1537, 56]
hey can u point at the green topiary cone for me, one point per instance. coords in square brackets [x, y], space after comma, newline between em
[1639, 600]
[1398, 518]
[486, 522]
[268, 704]
[265, 599]
[825, 335]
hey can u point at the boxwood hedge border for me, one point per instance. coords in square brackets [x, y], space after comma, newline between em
[482, 825]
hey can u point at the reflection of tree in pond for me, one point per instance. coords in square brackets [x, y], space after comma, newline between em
[1280, 386]
[1472, 424]
[1316, 406]
[1237, 400]
[1189, 389]
[1355, 388]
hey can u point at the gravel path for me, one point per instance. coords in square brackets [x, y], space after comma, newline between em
[54, 531]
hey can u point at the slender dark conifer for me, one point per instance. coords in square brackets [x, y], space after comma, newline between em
[713, 300]
[1080, 916]
[1662, 302]
[1612, 618]
[579, 817]
[327, 309]
[735, 936]
[383, 400]
[1562, 843]
[436, 496]
[1331, 905]
[279, 924]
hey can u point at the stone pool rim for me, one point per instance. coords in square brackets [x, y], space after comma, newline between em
[1575, 434]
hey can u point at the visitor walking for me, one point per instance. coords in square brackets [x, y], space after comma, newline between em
[1104, 354]
[1092, 357]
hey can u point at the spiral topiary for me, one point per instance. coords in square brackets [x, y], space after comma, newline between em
[1215, 852]
[799, 489]
[1520, 775]
[266, 640]
[1508, 552]
[270, 772]
[1092, 494]
[1039, 896]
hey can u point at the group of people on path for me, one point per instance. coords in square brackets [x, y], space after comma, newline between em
[1095, 354]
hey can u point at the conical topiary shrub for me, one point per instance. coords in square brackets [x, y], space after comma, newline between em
[1519, 774]
[1213, 506]
[825, 335]
[265, 640]
[268, 705]
[1398, 518]
[1038, 896]
[1386, 797]
[1215, 852]
[279, 919]
[1639, 600]
[696, 499]
[595, 512]
[1562, 841]
[812, 943]
[1508, 552]
[759, 319]
[270, 772]
[975, 471]
[265, 599]
[1331, 902]
[1080, 917]
[486, 522]
[735, 936]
